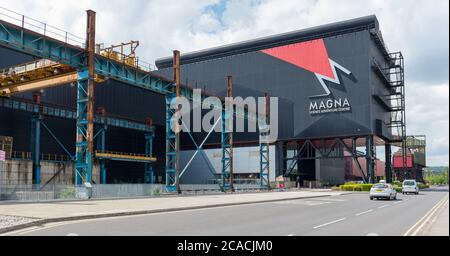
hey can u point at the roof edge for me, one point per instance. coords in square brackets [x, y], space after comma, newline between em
[322, 31]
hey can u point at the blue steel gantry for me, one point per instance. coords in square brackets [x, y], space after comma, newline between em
[86, 67]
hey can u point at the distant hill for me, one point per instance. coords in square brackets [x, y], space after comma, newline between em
[436, 169]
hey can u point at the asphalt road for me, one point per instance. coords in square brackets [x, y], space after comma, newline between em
[352, 214]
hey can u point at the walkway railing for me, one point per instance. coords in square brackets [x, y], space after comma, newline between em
[40, 27]
[44, 156]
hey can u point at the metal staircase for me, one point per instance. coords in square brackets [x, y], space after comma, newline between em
[396, 75]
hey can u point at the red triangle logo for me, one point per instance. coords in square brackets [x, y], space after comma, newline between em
[310, 55]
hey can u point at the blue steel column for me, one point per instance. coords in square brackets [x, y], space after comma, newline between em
[173, 138]
[227, 141]
[36, 148]
[85, 108]
[149, 174]
[171, 153]
[264, 163]
[101, 145]
[83, 163]
[227, 157]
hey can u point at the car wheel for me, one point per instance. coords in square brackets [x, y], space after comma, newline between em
[371, 198]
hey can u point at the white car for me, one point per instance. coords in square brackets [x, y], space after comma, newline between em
[383, 190]
[410, 186]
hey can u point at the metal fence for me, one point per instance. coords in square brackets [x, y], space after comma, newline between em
[32, 193]
[15, 186]
[126, 190]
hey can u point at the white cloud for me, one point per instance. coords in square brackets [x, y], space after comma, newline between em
[419, 28]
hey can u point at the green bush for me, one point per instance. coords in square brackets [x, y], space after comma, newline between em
[397, 183]
[398, 189]
[363, 187]
[366, 187]
[434, 178]
[422, 186]
[356, 187]
[347, 187]
[67, 193]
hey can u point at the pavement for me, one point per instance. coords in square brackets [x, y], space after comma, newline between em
[47, 212]
[439, 225]
[436, 221]
[334, 215]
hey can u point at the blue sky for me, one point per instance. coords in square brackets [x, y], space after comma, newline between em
[419, 28]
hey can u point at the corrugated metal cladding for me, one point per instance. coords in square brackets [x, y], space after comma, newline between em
[119, 100]
[293, 67]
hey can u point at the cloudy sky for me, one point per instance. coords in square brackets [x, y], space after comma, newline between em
[418, 28]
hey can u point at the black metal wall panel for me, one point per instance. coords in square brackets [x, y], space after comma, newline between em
[120, 100]
[259, 72]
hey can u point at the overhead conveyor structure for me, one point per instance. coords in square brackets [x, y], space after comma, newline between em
[62, 59]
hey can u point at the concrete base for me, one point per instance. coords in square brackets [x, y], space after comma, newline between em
[20, 172]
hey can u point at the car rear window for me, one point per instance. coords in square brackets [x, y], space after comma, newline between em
[409, 183]
[380, 186]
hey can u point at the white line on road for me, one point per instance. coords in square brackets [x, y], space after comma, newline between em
[329, 223]
[361, 213]
[330, 199]
[425, 218]
[398, 202]
[291, 235]
[383, 206]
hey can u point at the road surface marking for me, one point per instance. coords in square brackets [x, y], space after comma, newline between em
[291, 235]
[330, 199]
[372, 234]
[383, 206]
[37, 228]
[19, 231]
[328, 223]
[398, 202]
[29, 230]
[361, 213]
[425, 218]
[302, 202]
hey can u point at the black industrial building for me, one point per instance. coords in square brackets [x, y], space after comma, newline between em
[333, 81]
[339, 89]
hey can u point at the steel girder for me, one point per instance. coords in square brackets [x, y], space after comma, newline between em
[36, 148]
[318, 149]
[42, 46]
[23, 105]
[83, 164]
[264, 163]
[101, 145]
[149, 173]
[171, 147]
[227, 151]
